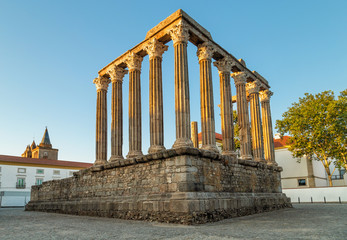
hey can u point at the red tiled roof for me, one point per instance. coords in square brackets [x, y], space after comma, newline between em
[218, 136]
[282, 142]
[14, 159]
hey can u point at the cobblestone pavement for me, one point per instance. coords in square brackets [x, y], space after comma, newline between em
[304, 221]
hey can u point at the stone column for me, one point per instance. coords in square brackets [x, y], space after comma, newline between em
[256, 126]
[242, 115]
[194, 135]
[269, 149]
[180, 36]
[204, 53]
[116, 74]
[101, 84]
[133, 62]
[155, 50]
[224, 68]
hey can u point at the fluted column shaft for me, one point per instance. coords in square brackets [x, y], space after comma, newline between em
[224, 68]
[194, 134]
[256, 126]
[180, 37]
[155, 50]
[135, 131]
[116, 74]
[156, 105]
[101, 120]
[208, 133]
[269, 149]
[242, 113]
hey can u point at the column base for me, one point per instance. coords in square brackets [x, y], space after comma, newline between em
[182, 142]
[100, 162]
[247, 157]
[229, 153]
[212, 148]
[115, 158]
[134, 153]
[156, 148]
[260, 160]
[272, 163]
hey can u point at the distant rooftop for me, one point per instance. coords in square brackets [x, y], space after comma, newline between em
[43, 161]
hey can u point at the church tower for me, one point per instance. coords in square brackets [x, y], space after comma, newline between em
[43, 150]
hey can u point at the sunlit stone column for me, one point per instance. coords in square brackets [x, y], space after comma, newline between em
[256, 127]
[194, 135]
[133, 62]
[269, 149]
[180, 36]
[242, 114]
[101, 84]
[224, 68]
[204, 53]
[116, 74]
[155, 50]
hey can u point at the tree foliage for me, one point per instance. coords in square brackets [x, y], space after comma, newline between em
[317, 125]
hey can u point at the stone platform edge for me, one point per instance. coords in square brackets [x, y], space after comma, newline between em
[183, 208]
[190, 151]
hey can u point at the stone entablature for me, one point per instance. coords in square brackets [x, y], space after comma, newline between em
[190, 30]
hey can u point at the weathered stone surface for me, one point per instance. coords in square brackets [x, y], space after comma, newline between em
[187, 188]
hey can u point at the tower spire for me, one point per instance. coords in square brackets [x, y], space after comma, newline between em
[45, 142]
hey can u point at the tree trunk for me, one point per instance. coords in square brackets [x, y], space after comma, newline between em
[330, 181]
[327, 170]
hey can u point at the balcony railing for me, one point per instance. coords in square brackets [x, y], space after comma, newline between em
[336, 177]
[20, 185]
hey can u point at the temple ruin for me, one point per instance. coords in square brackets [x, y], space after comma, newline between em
[184, 184]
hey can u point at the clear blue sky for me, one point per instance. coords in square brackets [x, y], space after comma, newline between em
[50, 52]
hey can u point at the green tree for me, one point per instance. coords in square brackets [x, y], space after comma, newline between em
[317, 125]
[340, 148]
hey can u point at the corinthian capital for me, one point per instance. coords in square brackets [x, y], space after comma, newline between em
[265, 95]
[101, 83]
[117, 73]
[205, 51]
[179, 33]
[239, 77]
[224, 65]
[253, 87]
[154, 48]
[133, 61]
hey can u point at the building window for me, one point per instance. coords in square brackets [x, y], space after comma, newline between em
[71, 173]
[56, 172]
[20, 183]
[0, 169]
[40, 171]
[22, 170]
[302, 182]
[340, 174]
[45, 154]
[39, 181]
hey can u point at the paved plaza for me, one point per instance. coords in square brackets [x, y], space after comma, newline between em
[304, 221]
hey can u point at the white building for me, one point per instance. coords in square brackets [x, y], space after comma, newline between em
[18, 174]
[38, 164]
[303, 172]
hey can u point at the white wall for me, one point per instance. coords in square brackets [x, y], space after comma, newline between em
[331, 194]
[8, 179]
[291, 166]
[319, 172]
